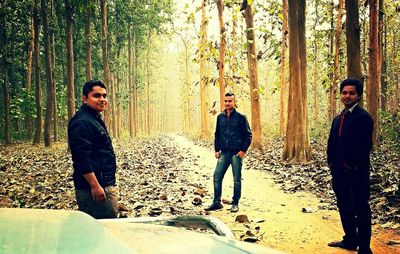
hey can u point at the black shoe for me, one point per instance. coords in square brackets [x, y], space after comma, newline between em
[214, 206]
[234, 208]
[341, 244]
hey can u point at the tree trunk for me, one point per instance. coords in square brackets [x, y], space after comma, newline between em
[148, 84]
[336, 66]
[353, 41]
[296, 147]
[253, 77]
[6, 94]
[203, 83]
[106, 67]
[130, 85]
[222, 46]
[113, 105]
[373, 86]
[53, 64]
[38, 92]
[69, 12]
[315, 83]
[28, 119]
[283, 90]
[49, 76]
[382, 55]
[88, 36]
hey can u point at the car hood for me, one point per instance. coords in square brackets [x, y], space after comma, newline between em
[61, 231]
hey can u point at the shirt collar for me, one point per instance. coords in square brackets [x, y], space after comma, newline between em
[344, 111]
[90, 110]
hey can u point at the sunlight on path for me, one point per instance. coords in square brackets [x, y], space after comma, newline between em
[278, 214]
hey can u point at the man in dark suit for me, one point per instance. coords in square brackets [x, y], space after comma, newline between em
[349, 146]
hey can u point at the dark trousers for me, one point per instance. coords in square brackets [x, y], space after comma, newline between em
[99, 210]
[352, 193]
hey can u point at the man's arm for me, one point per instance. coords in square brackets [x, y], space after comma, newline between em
[98, 193]
[246, 135]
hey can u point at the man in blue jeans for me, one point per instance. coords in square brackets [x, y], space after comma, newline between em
[232, 139]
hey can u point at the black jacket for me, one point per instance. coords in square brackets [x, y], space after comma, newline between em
[233, 134]
[91, 148]
[354, 145]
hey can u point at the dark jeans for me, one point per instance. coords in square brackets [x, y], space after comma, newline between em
[98, 210]
[226, 159]
[352, 193]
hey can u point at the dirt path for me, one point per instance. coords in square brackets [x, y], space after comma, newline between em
[279, 215]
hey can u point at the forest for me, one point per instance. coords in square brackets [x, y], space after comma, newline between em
[167, 65]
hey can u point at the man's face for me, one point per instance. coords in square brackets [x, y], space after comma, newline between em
[349, 96]
[229, 102]
[96, 99]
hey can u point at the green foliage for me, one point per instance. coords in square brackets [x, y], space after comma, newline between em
[389, 131]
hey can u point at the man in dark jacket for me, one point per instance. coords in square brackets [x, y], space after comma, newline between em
[232, 139]
[349, 146]
[93, 155]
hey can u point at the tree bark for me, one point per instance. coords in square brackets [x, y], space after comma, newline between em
[222, 46]
[53, 64]
[6, 94]
[38, 92]
[106, 67]
[148, 84]
[382, 54]
[49, 76]
[296, 147]
[353, 41]
[334, 86]
[28, 119]
[69, 13]
[88, 36]
[283, 91]
[203, 83]
[253, 77]
[373, 93]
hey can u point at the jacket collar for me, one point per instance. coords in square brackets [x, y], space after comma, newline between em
[233, 111]
[91, 111]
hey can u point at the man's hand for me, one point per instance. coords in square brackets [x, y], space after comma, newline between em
[98, 194]
[241, 154]
[217, 154]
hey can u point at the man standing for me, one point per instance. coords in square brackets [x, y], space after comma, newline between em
[93, 155]
[232, 139]
[349, 146]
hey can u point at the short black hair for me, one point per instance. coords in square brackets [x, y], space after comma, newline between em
[88, 86]
[353, 82]
[230, 94]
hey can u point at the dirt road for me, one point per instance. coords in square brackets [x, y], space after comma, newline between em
[279, 215]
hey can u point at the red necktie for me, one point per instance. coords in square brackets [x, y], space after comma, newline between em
[341, 123]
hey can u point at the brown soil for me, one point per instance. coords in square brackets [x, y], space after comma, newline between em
[279, 215]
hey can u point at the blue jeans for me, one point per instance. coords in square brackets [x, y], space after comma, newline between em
[226, 159]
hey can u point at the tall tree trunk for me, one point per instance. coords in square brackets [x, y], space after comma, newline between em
[49, 75]
[113, 105]
[203, 83]
[88, 37]
[38, 92]
[373, 86]
[69, 12]
[283, 90]
[148, 84]
[353, 41]
[106, 67]
[53, 64]
[130, 85]
[28, 119]
[4, 52]
[222, 46]
[382, 54]
[296, 147]
[253, 76]
[336, 66]
[315, 83]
